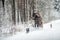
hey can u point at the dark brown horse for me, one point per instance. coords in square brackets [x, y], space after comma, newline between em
[38, 20]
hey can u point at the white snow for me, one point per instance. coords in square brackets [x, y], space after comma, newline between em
[47, 33]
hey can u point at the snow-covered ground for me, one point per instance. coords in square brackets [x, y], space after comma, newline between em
[47, 33]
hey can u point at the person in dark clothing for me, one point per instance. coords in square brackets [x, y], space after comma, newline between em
[37, 20]
[27, 30]
[51, 25]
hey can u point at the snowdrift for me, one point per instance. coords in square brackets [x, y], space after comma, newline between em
[47, 33]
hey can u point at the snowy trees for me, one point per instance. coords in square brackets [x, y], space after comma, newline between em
[19, 11]
[57, 5]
